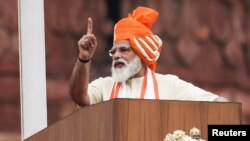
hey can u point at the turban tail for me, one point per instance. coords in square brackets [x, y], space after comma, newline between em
[136, 28]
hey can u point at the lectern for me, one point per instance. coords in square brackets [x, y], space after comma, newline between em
[139, 120]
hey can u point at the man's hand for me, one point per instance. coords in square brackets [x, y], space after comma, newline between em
[87, 44]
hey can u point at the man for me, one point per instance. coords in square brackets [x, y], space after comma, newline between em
[134, 53]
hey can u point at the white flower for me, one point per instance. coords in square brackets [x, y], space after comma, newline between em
[178, 135]
[169, 137]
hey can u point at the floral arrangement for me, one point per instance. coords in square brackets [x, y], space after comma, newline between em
[180, 135]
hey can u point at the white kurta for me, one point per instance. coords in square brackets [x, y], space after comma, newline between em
[170, 88]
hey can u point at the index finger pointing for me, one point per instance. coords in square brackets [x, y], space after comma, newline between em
[90, 26]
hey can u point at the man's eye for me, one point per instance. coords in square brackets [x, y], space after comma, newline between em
[112, 51]
[123, 49]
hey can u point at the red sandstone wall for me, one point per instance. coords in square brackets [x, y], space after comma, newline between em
[205, 42]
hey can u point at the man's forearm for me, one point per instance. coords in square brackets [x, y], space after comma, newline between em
[79, 83]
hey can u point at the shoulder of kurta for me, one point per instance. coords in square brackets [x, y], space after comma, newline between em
[169, 77]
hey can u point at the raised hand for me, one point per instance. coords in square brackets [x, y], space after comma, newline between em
[87, 44]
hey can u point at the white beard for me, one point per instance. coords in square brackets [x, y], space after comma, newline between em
[126, 72]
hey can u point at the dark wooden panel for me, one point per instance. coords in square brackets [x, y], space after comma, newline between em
[139, 120]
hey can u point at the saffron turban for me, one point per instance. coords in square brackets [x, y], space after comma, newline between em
[136, 28]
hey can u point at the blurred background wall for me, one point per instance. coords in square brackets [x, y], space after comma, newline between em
[206, 42]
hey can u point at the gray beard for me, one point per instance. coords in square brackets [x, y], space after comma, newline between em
[130, 69]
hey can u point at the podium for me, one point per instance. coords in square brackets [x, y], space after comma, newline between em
[139, 120]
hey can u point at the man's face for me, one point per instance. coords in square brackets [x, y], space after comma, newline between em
[126, 63]
[122, 50]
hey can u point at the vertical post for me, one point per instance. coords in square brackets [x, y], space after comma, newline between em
[32, 66]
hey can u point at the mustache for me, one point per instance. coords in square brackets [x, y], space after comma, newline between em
[119, 61]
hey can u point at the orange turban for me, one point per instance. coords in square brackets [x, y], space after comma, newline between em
[136, 28]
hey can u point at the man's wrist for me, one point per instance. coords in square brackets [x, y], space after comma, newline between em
[84, 61]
